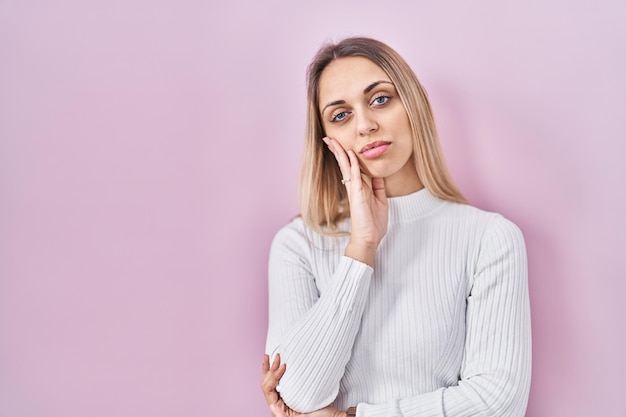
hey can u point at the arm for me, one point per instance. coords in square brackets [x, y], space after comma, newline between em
[271, 376]
[313, 334]
[495, 375]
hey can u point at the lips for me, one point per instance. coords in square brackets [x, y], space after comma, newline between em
[374, 149]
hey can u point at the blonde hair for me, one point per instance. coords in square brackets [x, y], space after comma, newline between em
[323, 199]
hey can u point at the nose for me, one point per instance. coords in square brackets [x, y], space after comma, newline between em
[366, 124]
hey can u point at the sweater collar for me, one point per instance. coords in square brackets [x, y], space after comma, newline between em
[412, 206]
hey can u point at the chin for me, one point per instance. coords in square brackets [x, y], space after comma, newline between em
[383, 171]
[377, 173]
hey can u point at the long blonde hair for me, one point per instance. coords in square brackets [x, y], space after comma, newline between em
[323, 199]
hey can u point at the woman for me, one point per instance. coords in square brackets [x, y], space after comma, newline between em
[390, 295]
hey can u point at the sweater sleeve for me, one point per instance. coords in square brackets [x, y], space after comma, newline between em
[313, 332]
[495, 375]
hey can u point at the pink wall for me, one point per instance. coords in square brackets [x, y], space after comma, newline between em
[149, 150]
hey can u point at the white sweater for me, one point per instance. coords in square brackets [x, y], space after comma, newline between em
[440, 326]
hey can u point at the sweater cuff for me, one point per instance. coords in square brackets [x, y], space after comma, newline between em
[353, 278]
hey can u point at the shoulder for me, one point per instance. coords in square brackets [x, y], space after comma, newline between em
[297, 232]
[496, 244]
[296, 240]
[294, 230]
[495, 226]
[289, 245]
[486, 222]
[297, 235]
[499, 240]
[488, 234]
[291, 238]
[502, 237]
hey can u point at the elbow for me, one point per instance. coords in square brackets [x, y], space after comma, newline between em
[509, 395]
[501, 393]
[304, 397]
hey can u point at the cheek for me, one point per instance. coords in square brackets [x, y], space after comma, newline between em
[364, 168]
[344, 144]
[339, 133]
[339, 137]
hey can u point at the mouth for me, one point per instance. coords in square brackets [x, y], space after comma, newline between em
[374, 149]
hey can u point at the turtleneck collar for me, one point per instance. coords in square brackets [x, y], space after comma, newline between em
[412, 206]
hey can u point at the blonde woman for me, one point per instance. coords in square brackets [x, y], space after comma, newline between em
[390, 295]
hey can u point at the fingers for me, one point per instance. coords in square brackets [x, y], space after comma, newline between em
[277, 368]
[340, 155]
[355, 170]
[351, 168]
[278, 374]
[275, 365]
[271, 377]
[276, 362]
[266, 363]
[277, 411]
[378, 188]
[268, 386]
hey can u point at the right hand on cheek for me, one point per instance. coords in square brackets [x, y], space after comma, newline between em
[369, 210]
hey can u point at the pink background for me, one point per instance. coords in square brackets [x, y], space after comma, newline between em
[149, 150]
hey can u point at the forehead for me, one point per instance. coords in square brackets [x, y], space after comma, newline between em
[345, 78]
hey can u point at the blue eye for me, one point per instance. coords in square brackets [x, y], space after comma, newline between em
[381, 100]
[339, 116]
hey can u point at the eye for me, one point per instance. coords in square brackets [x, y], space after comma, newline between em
[381, 99]
[339, 116]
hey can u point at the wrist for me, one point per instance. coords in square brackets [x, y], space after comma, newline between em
[362, 252]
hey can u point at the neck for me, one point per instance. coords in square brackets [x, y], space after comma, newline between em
[404, 182]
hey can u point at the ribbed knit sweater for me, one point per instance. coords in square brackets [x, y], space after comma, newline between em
[439, 326]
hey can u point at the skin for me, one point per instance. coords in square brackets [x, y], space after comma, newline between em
[353, 116]
[359, 106]
[363, 118]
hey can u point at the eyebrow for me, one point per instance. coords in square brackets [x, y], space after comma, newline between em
[374, 84]
[365, 91]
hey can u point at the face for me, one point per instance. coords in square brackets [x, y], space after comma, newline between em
[361, 109]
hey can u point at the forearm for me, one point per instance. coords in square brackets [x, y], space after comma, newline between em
[479, 396]
[317, 345]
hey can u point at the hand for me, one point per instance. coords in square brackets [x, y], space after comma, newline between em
[278, 408]
[369, 211]
[271, 376]
[324, 412]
